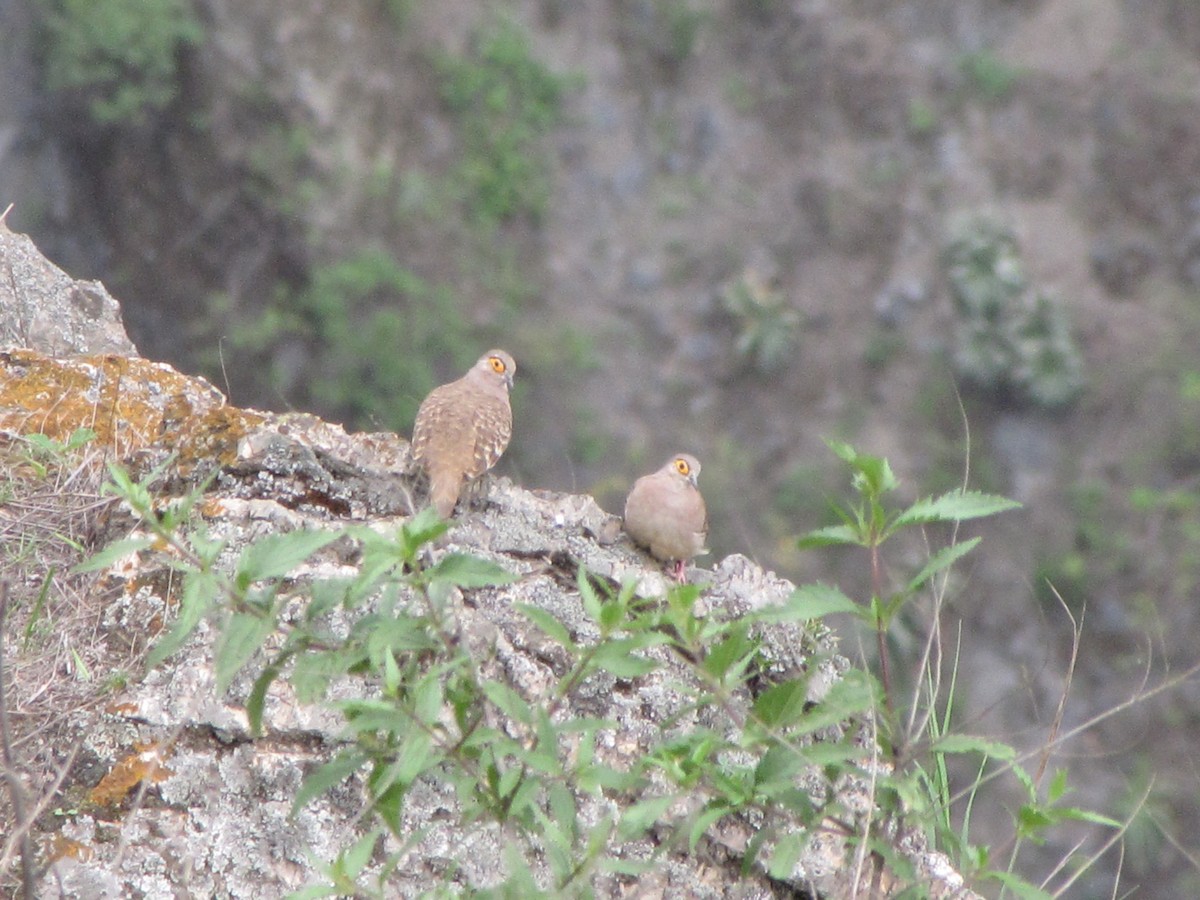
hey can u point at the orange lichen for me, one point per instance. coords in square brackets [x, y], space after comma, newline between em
[131, 403]
[144, 764]
[61, 847]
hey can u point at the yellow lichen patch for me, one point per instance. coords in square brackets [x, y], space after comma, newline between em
[211, 439]
[144, 764]
[130, 403]
[62, 847]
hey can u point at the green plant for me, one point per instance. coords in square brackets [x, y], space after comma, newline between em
[922, 118]
[989, 75]
[504, 101]
[121, 54]
[919, 735]
[374, 331]
[1009, 338]
[763, 752]
[768, 324]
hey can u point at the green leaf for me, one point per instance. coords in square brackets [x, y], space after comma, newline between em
[326, 776]
[832, 535]
[782, 704]
[357, 857]
[965, 743]
[954, 506]
[314, 892]
[943, 559]
[853, 693]
[390, 806]
[508, 702]
[783, 858]
[587, 595]
[710, 816]
[113, 552]
[1075, 814]
[778, 766]
[1019, 886]
[562, 809]
[467, 571]
[242, 636]
[616, 656]
[199, 595]
[731, 655]
[278, 554]
[546, 621]
[258, 694]
[422, 528]
[808, 602]
[639, 818]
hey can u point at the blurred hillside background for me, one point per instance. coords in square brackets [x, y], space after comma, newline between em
[734, 227]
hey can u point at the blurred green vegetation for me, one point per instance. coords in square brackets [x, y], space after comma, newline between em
[372, 331]
[988, 76]
[504, 101]
[767, 322]
[379, 332]
[120, 55]
[1011, 340]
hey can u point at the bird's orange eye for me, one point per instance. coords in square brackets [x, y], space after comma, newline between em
[682, 467]
[498, 365]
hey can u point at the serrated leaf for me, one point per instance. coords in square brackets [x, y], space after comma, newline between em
[965, 743]
[356, 858]
[1076, 814]
[781, 704]
[855, 692]
[199, 594]
[587, 595]
[783, 858]
[276, 555]
[242, 636]
[943, 559]
[832, 535]
[808, 602]
[563, 810]
[110, 554]
[390, 807]
[730, 656]
[326, 776]
[954, 506]
[778, 765]
[391, 674]
[422, 528]
[553, 628]
[637, 819]
[617, 657]
[466, 571]
[508, 702]
[1018, 886]
[706, 819]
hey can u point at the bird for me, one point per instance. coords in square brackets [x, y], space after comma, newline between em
[665, 513]
[463, 427]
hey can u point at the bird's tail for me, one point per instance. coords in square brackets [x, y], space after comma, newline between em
[444, 488]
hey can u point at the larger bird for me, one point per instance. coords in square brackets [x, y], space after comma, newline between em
[463, 427]
[665, 513]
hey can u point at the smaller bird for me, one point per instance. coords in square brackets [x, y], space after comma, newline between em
[463, 427]
[665, 513]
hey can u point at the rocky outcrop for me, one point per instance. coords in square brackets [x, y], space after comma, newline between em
[165, 791]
